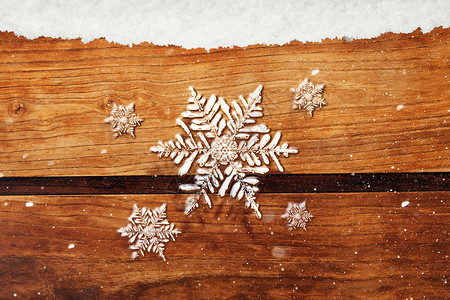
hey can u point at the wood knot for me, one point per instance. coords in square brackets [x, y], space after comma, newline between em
[17, 109]
[109, 103]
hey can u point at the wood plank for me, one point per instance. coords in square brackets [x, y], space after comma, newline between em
[276, 183]
[54, 95]
[358, 245]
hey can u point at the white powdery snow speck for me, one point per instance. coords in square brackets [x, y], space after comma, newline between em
[71, 246]
[278, 252]
[24, 156]
[29, 204]
[104, 151]
[1, 175]
[315, 72]
[51, 163]
[405, 203]
[400, 107]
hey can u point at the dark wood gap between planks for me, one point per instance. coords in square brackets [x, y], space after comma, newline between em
[279, 183]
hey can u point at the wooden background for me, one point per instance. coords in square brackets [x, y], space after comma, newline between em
[56, 152]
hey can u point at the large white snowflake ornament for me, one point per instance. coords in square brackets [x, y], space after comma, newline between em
[297, 215]
[226, 146]
[123, 119]
[149, 229]
[308, 96]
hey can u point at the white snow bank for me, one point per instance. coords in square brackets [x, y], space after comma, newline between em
[210, 24]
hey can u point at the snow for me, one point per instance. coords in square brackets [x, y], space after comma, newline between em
[29, 204]
[104, 151]
[71, 246]
[405, 203]
[211, 24]
[315, 72]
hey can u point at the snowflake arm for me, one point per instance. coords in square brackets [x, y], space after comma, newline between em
[149, 229]
[255, 153]
[240, 117]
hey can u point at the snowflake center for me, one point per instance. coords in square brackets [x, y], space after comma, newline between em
[149, 231]
[308, 97]
[298, 216]
[224, 149]
[124, 120]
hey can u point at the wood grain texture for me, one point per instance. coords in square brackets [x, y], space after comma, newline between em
[54, 95]
[358, 245]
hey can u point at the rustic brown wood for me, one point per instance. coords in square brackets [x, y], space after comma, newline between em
[54, 95]
[278, 183]
[358, 245]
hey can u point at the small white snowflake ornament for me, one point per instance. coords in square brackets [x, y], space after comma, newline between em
[226, 146]
[123, 119]
[308, 96]
[150, 230]
[297, 215]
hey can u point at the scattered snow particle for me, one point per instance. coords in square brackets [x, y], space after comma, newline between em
[278, 252]
[400, 107]
[8, 121]
[71, 246]
[1, 175]
[29, 204]
[104, 151]
[6, 203]
[268, 217]
[42, 187]
[356, 252]
[15, 295]
[314, 72]
[405, 203]
[51, 163]
[24, 156]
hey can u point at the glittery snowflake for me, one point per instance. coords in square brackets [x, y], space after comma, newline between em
[308, 96]
[297, 215]
[225, 145]
[123, 119]
[149, 229]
